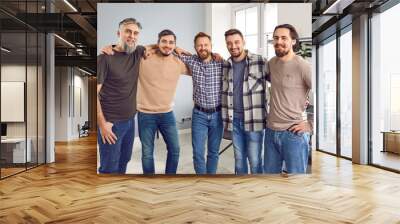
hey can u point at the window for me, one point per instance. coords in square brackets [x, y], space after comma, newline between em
[327, 96]
[385, 89]
[270, 22]
[346, 75]
[22, 65]
[246, 20]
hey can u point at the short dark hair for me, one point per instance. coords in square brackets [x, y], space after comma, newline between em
[233, 32]
[293, 34]
[201, 34]
[129, 21]
[166, 32]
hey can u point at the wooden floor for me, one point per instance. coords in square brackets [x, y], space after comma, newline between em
[387, 159]
[70, 191]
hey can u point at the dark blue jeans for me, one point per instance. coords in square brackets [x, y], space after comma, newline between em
[247, 145]
[148, 125]
[206, 126]
[286, 146]
[114, 158]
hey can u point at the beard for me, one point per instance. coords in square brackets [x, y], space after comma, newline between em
[166, 53]
[235, 55]
[203, 54]
[281, 52]
[129, 48]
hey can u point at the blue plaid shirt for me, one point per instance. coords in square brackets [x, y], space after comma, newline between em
[207, 81]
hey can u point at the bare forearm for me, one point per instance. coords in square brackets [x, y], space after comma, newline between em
[310, 117]
[100, 116]
[151, 47]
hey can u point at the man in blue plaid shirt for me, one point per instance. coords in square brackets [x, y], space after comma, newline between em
[243, 102]
[206, 118]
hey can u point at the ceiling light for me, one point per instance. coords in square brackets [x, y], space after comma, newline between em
[337, 7]
[64, 40]
[5, 50]
[84, 71]
[70, 5]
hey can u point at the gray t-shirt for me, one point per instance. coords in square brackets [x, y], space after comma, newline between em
[290, 84]
[118, 75]
[238, 76]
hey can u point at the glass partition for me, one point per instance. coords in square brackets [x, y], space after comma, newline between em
[385, 90]
[22, 88]
[346, 75]
[327, 96]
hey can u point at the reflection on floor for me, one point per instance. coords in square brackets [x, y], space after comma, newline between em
[386, 159]
[10, 169]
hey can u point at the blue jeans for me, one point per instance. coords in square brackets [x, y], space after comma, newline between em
[148, 125]
[286, 146]
[114, 158]
[246, 145]
[206, 126]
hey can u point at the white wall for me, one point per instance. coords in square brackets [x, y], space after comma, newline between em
[80, 83]
[61, 103]
[221, 22]
[294, 14]
[185, 20]
[68, 80]
[33, 126]
[12, 73]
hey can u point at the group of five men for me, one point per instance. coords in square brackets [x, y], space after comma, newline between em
[228, 95]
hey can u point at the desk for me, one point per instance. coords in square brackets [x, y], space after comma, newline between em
[391, 141]
[13, 150]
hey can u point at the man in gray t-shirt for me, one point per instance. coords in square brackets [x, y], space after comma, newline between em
[287, 134]
[117, 77]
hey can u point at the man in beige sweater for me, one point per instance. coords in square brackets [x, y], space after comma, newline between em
[158, 78]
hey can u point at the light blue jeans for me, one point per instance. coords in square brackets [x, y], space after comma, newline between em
[206, 126]
[286, 146]
[247, 145]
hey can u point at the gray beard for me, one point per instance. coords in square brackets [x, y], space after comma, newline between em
[129, 49]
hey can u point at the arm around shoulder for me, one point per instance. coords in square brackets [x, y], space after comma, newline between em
[307, 74]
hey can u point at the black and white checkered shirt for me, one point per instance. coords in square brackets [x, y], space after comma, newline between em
[207, 81]
[254, 100]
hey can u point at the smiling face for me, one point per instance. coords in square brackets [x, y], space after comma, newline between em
[128, 35]
[283, 43]
[235, 45]
[167, 44]
[203, 47]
